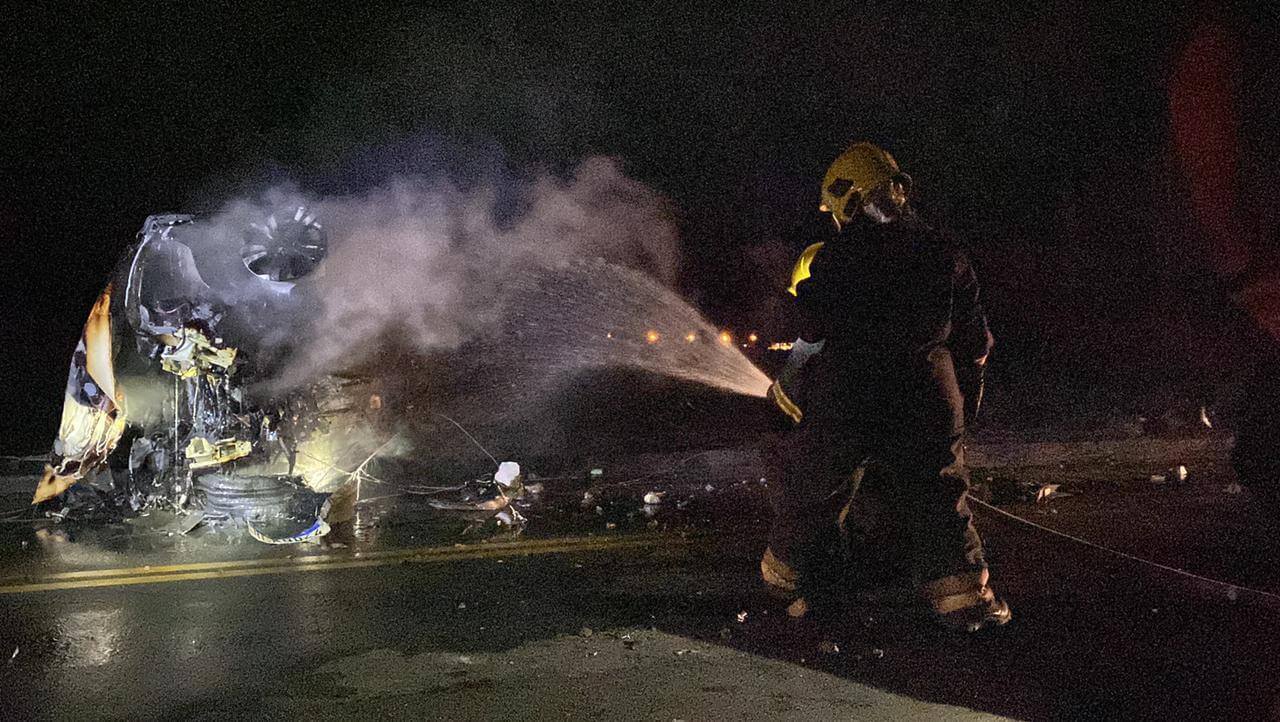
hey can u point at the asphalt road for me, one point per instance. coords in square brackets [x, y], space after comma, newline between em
[646, 619]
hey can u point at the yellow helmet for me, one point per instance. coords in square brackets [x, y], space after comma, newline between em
[860, 169]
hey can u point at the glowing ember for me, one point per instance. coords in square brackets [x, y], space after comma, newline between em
[690, 337]
[652, 336]
[726, 338]
[752, 338]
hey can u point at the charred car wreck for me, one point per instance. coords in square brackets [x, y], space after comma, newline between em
[171, 404]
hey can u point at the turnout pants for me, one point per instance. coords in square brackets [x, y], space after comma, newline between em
[908, 427]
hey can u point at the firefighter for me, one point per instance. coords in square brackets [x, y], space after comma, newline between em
[892, 324]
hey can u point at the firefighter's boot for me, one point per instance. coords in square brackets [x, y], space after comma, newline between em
[966, 603]
[783, 582]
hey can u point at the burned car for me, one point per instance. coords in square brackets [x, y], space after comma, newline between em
[169, 402]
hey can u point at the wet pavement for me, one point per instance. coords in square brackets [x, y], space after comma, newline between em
[600, 608]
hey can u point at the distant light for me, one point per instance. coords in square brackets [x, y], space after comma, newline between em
[690, 337]
[652, 336]
[726, 338]
[752, 338]
[781, 346]
[609, 335]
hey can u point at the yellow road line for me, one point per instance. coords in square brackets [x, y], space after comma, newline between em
[313, 563]
[531, 545]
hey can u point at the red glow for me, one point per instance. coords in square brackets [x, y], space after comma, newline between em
[1203, 112]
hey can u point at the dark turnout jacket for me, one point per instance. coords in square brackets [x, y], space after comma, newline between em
[894, 304]
[883, 297]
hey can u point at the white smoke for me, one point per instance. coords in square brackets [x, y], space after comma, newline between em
[428, 260]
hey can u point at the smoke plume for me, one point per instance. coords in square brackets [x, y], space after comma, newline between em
[428, 260]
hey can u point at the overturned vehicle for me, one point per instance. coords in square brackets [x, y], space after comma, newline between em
[169, 402]
[257, 364]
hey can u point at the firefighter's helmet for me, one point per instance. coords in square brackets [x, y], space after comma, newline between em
[861, 169]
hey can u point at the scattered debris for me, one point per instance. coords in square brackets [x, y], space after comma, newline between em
[14, 655]
[318, 529]
[828, 647]
[585, 632]
[683, 652]
[654, 498]
[1177, 475]
[507, 475]
[1233, 488]
[509, 517]
[1204, 418]
[742, 617]
[1046, 492]
[491, 498]
[628, 642]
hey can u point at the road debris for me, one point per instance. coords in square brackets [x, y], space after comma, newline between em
[742, 617]
[492, 498]
[1046, 492]
[507, 475]
[829, 647]
[654, 498]
[1177, 475]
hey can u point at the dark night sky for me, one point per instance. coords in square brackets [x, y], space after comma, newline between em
[1040, 133]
